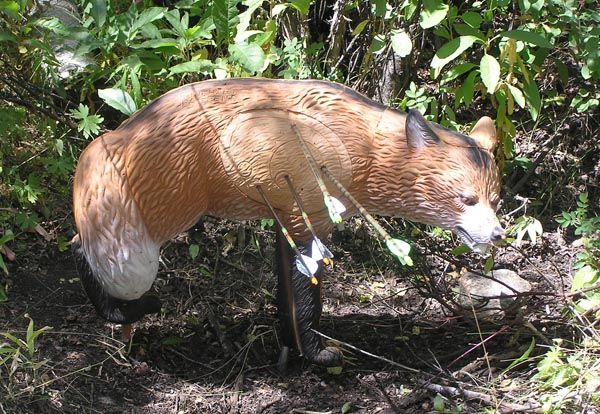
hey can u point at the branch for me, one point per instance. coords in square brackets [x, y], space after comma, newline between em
[505, 407]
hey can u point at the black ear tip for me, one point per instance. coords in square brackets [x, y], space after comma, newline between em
[418, 131]
[414, 114]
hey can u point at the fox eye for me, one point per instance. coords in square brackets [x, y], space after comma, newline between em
[469, 198]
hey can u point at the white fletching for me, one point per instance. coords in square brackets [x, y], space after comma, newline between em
[319, 251]
[312, 264]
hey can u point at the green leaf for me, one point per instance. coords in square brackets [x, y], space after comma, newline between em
[172, 340]
[334, 370]
[528, 37]
[245, 17]
[359, 28]
[52, 24]
[380, 7]
[98, 12]
[225, 17]
[583, 278]
[203, 66]
[8, 236]
[489, 263]
[439, 404]
[11, 8]
[434, 11]
[194, 250]
[377, 44]
[522, 358]
[347, 407]
[176, 21]
[534, 100]
[250, 56]
[448, 52]
[147, 16]
[401, 43]
[460, 250]
[301, 5]
[517, 95]
[279, 8]
[457, 71]
[490, 72]
[3, 297]
[156, 43]
[88, 124]
[118, 99]
[563, 71]
[5, 36]
[472, 19]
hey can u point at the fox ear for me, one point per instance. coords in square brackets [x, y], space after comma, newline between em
[484, 132]
[418, 132]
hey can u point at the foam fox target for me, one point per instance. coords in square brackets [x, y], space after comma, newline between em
[206, 147]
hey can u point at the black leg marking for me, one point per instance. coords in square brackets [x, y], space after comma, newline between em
[112, 309]
[299, 305]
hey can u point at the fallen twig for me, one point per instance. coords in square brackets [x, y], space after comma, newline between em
[505, 407]
[477, 345]
[389, 361]
[301, 411]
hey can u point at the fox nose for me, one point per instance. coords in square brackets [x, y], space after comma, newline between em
[498, 234]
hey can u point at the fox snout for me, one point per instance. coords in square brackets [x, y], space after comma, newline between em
[498, 234]
[479, 228]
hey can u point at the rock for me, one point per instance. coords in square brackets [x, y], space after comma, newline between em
[491, 299]
[64, 49]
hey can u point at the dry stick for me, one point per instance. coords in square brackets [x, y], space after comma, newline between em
[474, 395]
[389, 361]
[442, 389]
[477, 345]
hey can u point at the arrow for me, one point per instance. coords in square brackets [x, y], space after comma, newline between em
[334, 206]
[306, 265]
[398, 248]
[318, 251]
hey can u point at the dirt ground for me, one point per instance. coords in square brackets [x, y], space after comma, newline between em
[214, 347]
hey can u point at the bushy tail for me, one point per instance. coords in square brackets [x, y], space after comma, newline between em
[112, 309]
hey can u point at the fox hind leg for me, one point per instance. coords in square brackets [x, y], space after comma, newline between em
[299, 307]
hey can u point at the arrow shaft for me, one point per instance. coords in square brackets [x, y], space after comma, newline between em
[284, 231]
[311, 161]
[382, 232]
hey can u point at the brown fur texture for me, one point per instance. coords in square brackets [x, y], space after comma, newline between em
[166, 160]
[204, 147]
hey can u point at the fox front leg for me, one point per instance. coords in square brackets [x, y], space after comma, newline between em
[299, 307]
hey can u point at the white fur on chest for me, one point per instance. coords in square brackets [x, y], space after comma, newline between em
[124, 258]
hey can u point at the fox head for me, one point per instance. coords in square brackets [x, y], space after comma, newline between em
[456, 181]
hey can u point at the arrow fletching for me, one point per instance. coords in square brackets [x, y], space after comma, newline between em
[400, 249]
[335, 208]
[306, 265]
[320, 251]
